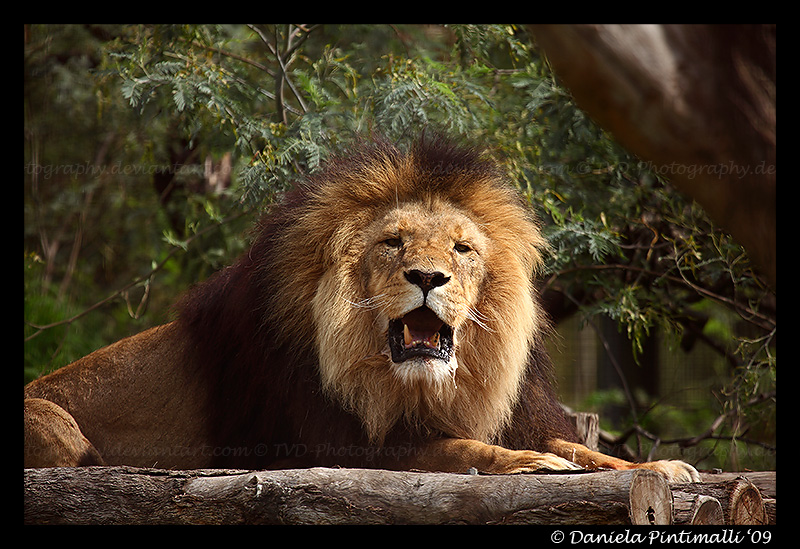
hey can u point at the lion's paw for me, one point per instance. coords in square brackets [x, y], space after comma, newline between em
[675, 471]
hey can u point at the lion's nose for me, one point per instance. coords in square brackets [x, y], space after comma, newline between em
[426, 280]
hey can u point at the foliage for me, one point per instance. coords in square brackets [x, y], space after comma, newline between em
[281, 98]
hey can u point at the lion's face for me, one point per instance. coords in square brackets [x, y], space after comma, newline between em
[424, 267]
[412, 273]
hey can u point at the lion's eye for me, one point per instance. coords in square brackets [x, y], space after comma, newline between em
[462, 248]
[394, 242]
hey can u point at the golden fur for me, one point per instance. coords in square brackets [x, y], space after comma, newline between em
[389, 300]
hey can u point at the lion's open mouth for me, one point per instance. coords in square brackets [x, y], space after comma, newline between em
[420, 333]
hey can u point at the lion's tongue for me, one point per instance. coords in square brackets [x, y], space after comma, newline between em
[421, 327]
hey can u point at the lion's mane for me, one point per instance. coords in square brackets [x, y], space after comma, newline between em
[285, 338]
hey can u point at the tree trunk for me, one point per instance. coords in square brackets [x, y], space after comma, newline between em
[696, 101]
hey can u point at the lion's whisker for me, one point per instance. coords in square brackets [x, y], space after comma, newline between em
[369, 303]
[478, 318]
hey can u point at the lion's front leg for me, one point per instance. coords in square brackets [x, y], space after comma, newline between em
[459, 455]
[673, 470]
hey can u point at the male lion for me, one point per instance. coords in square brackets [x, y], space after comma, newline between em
[384, 317]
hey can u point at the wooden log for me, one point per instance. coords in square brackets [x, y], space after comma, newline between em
[765, 481]
[696, 509]
[587, 428]
[741, 500]
[651, 500]
[125, 495]
[771, 507]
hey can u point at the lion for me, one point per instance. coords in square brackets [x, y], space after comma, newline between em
[385, 316]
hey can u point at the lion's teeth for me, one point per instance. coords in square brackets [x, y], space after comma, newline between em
[411, 340]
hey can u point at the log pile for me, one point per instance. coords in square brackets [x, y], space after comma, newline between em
[727, 498]
[125, 495]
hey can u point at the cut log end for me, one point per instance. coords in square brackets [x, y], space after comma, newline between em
[746, 504]
[650, 499]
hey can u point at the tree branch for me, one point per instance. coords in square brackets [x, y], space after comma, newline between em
[147, 277]
[685, 442]
[747, 313]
